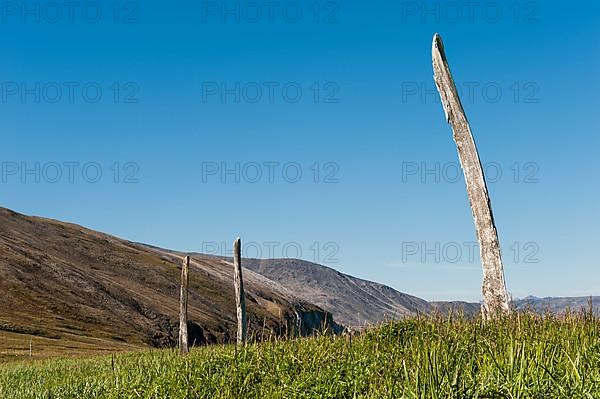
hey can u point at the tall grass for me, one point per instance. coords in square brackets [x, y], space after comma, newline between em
[521, 356]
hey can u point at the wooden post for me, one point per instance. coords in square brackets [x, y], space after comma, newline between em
[30, 347]
[183, 299]
[495, 296]
[240, 301]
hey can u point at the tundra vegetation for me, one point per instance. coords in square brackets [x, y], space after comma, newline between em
[521, 355]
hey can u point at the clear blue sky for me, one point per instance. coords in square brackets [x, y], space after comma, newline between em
[367, 120]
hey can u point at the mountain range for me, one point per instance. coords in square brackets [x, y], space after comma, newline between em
[68, 290]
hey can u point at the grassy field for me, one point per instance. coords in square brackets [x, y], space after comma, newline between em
[524, 356]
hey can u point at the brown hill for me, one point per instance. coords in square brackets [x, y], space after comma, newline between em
[74, 291]
[356, 302]
[353, 302]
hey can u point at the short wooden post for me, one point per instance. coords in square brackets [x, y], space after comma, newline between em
[183, 300]
[30, 347]
[495, 296]
[240, 301]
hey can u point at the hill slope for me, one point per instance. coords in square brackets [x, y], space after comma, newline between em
[74, 290]
[71, 289]
[352, 301]
[356, 302]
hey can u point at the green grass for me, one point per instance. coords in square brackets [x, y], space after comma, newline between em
[524, 356]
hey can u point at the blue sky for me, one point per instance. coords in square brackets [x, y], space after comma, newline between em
[160, 98]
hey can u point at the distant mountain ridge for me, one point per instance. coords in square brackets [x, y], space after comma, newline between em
[558, 304]
[74, 289]
[356, 302]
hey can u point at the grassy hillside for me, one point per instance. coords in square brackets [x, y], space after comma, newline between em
[75, 291]
[525, 356]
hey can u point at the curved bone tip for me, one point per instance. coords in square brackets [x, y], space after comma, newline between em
[438, 46]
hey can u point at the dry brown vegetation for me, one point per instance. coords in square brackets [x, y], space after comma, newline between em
[74, 291]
